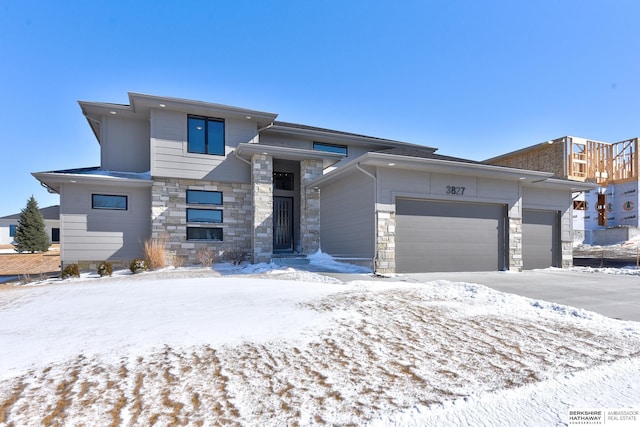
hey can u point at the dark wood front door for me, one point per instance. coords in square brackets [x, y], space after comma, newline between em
[282, 224]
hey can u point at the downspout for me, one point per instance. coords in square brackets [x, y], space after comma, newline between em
[375, 216]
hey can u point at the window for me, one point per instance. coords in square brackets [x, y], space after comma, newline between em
[579, 205]
[330, 148]
[283, 181]
[204, 215]
[108, 201]
[12, 230]
[205, 136]
[200, 197]
[204, 233]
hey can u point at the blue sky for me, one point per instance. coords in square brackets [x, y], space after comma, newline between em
[473, 78]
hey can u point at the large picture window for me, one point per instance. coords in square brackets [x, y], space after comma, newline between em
[204, 233]
[204, 215]
[205, 135]
[109, 202]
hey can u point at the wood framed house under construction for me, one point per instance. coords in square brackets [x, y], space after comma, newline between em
[606, 214]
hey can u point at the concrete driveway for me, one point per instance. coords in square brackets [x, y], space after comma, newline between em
[615, 296]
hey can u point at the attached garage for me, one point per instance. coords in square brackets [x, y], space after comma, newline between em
[439, 236]
[540, 239]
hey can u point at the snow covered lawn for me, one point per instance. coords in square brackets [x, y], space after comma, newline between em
[286, 347]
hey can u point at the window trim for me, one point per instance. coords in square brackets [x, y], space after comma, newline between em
[217, 230]
[206, 135]
[318, 146]
[126, 202]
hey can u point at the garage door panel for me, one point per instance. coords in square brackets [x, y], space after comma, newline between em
[540, 246]
[443, 236]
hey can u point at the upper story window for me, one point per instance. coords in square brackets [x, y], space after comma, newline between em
[201, 197]
[109, 201]
[205, 135]
[330, 148]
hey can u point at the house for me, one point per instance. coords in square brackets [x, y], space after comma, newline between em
[609, 212]
[200, 174]
[51, 215]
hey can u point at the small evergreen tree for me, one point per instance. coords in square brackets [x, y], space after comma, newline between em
[31, 235]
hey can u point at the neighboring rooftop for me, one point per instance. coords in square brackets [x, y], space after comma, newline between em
[50, 212]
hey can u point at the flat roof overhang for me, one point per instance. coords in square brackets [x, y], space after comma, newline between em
[247, 150]
[525, 177]
[53, 181]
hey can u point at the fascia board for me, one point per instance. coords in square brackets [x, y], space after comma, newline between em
[341, 138]
[433, 165]
[246, 150]
[54, 180]
[141, 101]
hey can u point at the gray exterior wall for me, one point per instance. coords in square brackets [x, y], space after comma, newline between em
[170, 157]
[347, 220]
[125, 144]
[88, 234]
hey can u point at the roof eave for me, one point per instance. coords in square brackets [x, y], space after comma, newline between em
[337, 136]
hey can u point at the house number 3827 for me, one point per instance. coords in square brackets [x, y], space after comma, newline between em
[455, 191]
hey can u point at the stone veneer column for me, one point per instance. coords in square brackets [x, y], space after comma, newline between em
[385, 261]
[567, 254]
[515, 244]
[309, 206]
[262, 187]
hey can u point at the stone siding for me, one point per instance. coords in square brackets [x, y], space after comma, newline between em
[169, 217]
[309, 206]
[262, 231]
[385, 261]
[515, 244]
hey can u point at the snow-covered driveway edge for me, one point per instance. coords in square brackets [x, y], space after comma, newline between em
[607, 386]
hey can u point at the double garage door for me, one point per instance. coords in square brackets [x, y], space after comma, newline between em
[454, 236]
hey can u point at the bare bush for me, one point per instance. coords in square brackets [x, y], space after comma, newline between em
[236, 255]
[205, 256]
[154, 252]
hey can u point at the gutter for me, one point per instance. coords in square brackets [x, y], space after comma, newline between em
[375, 216]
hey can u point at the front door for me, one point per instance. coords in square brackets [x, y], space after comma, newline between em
[282, 224]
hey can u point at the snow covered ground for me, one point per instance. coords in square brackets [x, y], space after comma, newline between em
[267, 346]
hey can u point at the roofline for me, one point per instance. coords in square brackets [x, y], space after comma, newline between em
[287, 128]
[526, 177]
[53, 179]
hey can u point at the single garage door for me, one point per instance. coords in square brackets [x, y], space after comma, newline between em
[540, 239]
[449, 236]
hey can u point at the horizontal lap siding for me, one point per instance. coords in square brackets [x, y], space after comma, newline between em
[347, 217]
[92, 234]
